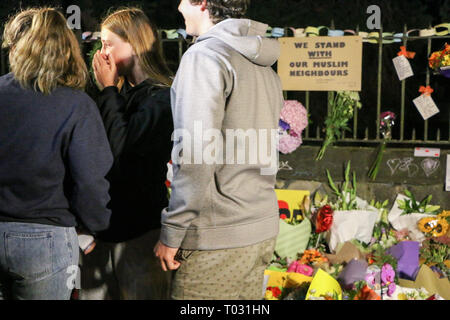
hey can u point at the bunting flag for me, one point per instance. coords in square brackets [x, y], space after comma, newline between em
[407, 54]
[426, 90]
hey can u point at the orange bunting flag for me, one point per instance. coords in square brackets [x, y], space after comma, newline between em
[426, 90]
[407, 54]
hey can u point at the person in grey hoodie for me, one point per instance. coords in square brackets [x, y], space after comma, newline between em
[219, 229]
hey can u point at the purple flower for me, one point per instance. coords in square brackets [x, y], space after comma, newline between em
[288, 143]
[370, 279]
[391, 289]
[284, 125]
[387, 274]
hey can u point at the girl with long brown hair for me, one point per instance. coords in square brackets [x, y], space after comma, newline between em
[135, 106]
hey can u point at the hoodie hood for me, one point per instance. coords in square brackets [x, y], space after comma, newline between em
[248, 38]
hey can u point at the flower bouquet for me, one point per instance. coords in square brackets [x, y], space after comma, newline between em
[295, 227]
[384, 236]
[439, 61]
[324, 287]
[434, 226]
[386, 124]
[341, 112]
[436, 254]
[353, 217]
[292, 238]
[293, 120]
[407, 212]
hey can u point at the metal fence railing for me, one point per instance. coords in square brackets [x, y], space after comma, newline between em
[366, 123]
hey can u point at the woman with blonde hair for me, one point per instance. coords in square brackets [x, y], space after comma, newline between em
[54, 156]
[137, 116]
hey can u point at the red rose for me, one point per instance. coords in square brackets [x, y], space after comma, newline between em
[324, 219]
[283, 216]
[276, 292]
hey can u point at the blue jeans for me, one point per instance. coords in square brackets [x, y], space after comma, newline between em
[37, 262]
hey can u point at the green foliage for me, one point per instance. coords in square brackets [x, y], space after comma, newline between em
[346, 195]
[380, 257]
[337, 270]
[317, 241]
[436, 253]
[319, 200]
[295, 293]
[410, 205]
[342, 107]
[351, 293]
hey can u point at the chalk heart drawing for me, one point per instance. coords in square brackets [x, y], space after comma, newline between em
[393, 164]
[404, 165]
[412, 170]
[430, 166]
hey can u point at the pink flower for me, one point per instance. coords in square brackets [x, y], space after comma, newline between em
[391, 289]
[370, 279]
[387, 274]
[293, 266]
[295, 114]
[388, 278]
[401, 234]
[388, 115]
[288, 144]
[297, 267]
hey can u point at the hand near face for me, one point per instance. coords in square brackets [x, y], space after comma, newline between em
[105, 70]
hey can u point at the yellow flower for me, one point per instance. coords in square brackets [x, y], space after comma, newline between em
[435, 226]
[402, 296]
[269, 295]
[444, 214]
[446, 61]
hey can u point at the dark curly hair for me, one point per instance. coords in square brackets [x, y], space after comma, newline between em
[224, 9]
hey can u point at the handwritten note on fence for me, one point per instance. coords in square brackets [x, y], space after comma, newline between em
[403, 67]
[426, 106]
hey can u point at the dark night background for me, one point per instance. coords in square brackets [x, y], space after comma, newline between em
[346, 14]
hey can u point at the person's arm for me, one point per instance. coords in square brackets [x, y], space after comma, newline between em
[129, 129]
[199, 96]
[110, 102]
[112, 107]
[89, 160]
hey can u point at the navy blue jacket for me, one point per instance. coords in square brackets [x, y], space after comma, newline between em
[54, 156]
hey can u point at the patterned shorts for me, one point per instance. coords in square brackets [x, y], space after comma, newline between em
[228, 274]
